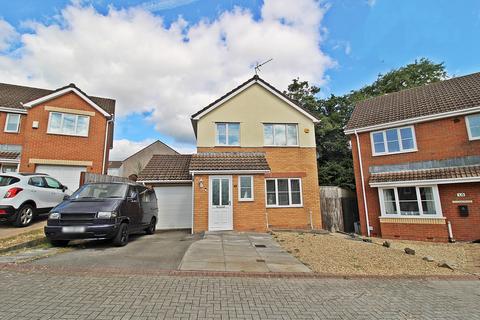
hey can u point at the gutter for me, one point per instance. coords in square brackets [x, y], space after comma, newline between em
[363, 183]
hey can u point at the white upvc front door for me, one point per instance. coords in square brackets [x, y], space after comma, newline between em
[220, 208]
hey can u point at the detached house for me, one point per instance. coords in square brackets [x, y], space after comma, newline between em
[60, 132]
[417, 161]
[255, 167]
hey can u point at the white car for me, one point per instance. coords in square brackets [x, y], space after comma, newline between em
[26, 195]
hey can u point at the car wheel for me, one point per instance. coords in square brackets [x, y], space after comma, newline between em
[151, 228]
[24, 216]
[121, 239]
[59, 243]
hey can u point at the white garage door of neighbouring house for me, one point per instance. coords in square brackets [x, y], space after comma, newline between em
[174, 207]
[67, 175]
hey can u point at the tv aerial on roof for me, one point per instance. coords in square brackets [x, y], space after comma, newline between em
[258, 65]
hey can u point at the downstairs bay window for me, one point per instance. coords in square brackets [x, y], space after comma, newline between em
[410, 201]
[284, 192]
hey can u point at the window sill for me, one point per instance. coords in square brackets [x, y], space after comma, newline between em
[15, 132]
[393, 153]
[414, 220]
[245, 200]
[68, 135]
[280, 207]
[273, 146]
[227, 145]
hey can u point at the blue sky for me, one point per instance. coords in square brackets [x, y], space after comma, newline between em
[362, 38]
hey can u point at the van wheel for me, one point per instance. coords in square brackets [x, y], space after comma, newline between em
[121, 239]
[24, 215]
[151, 228]
[59, 243]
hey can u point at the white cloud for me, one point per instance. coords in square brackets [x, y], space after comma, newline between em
[123, 148]
[130, 55]
[7, 35]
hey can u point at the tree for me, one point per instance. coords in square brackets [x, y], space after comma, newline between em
[335, 163]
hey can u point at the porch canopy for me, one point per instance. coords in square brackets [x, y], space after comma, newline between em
[229, 162]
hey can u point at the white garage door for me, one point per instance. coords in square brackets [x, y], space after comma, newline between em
[67, 175]
[174, 207]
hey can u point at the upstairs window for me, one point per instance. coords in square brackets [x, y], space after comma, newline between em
[410, 201]
[395, 140]
[12, 123]
[228, 134]
[280, 134]
[473, 126]
[68, 124]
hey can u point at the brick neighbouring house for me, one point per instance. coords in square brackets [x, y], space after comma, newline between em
[418, 151]
[255, 167]
[60, 132]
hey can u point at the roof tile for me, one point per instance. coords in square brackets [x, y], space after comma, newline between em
[217, 161]
[167, 167]
[427, 174]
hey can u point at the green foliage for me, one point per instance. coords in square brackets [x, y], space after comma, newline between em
[335, 165]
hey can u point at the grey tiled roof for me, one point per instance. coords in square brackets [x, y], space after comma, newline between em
[167, 167]
[439, 97]
[12, 96]
[427, 174]
[114, 164]
[215, 161]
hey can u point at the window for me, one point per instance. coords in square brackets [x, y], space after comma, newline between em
[280, 134]
[12, 123]
[37, 182]
[245, 188]
[52, 183]
[228, 134]
[395, 140]
[473, 126]
[284, 192]
[410, 201]
[68, 124]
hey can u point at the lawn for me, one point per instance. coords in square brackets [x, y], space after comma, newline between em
[337, 253]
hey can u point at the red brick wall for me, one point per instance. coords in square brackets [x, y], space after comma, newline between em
[464, 228]
[37, 143]
[284, 162]
[8, 137]
[436, 140]
[420, 232]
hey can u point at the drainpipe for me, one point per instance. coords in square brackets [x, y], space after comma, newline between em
[363, 183]
[193, 199]
[105, 145]
[450, 233]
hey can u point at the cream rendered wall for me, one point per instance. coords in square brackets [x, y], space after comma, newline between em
[253, 107]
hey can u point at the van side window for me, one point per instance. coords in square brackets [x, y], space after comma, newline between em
[145, 196]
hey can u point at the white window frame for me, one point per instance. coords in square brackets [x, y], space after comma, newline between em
[240, 188]
[467, 122]
[436, 198]
[227, 143]
[61, 124]
[276, 205]
[286, 135]
[18, 124]
[385, 144]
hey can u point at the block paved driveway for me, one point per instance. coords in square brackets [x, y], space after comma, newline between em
[36, 295]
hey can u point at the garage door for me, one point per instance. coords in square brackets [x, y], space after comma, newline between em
[67, 175]
[174, 207]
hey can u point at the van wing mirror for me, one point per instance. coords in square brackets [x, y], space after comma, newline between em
[64, 188]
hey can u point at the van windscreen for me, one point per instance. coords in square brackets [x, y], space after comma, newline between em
[100, 191]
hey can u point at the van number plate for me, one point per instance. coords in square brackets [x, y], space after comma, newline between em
[73, 229]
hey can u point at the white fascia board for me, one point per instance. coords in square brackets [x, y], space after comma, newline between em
[228, 171]
[164, 181]
[415, 120]
[246, 86]
[62, 92]
[424, 182]
[9, 160]
[13, 110]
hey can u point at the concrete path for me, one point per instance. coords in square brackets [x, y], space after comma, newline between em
[161, 251]
[239, 252]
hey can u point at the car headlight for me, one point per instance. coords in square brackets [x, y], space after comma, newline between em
[106, 214]
[54, 215]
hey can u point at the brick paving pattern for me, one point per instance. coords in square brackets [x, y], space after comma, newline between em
[26, 295]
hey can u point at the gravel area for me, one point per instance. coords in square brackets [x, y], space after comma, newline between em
[337, 253]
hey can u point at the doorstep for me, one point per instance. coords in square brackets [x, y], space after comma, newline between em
[239, 252]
